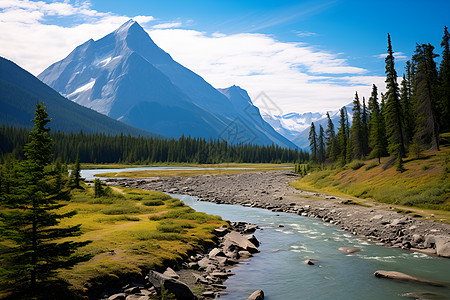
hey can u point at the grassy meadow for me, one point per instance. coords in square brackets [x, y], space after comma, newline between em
[132, 231]
[425, 184]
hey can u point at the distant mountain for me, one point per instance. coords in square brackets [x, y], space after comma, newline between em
[126, 76]
[295, 127]
[20, 90]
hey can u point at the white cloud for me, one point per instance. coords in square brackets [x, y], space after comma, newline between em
[298, 77]
[167, 25]
[400, 56]
[304, 33]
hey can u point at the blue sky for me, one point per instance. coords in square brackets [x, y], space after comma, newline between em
[305, 55]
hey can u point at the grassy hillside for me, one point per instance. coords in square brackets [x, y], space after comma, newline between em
[425, 183]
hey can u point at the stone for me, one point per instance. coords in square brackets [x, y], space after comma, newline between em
[442, 245]
[310, 262]
[169, 272]
[137, 297]
[256, 295]
[419, 295]
[221, 231]
[237, 239]
[417, 238]
[176, 287]
[216, 252]
[252, 239]
[244, 254]
[119, 296]
[223, 275]
[209, 294]
[349, 250]
[132, 290]
[404, 277]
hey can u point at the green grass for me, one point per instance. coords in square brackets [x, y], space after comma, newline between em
[425, 184]
[129, 236]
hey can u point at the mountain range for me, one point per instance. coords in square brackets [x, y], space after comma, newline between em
[127, 77]
[296, 127]
[20, 91]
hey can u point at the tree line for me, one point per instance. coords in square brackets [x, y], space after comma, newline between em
[103, 148]
[407, 119]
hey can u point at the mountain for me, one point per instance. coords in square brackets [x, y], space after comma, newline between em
[126, 76]
[295, 126]
[242, 103]
[20, 90]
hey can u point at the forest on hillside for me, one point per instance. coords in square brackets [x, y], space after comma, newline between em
[406, 121]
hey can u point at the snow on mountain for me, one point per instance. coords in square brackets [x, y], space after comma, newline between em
[126, 76]
[295, 126]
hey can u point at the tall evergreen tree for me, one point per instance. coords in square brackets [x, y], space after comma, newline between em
[393, 110]
[75, 175]
[407, 107]
[444, 78]
[343, 134]
[356, 134]
[376, 127]
[321, 145]
[426, 96]
[365, 128]
[30, 222]
[313, 142]
[330, 140]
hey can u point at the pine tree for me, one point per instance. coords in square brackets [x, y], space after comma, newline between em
[393, 110]
[376, 127]
[365, 129]
[30, 221]
[313, 142]
[343, 135]
[321, 145]
[98, 191]
[75, 175]
[444, 78]
[330, 140]
[406, 104]
[426, 96]
[355, 147]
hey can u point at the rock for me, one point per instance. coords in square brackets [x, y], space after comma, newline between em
[252, 239]
[223, 275]
[169, 272]
[119, 296]
[199, 278]
[137, 297]
[442, 244]
[419, 295]
[132, 290]
[176, 287]
[256, 295]
[244, 254]
[281, 225]
[349, 250]
[404, 277]
[237, 239]
[221, 231]
[209, 294]
[204, 263]
[219, 286]
[310, 262]
[428, 251]
[417, 238]
[216, 252]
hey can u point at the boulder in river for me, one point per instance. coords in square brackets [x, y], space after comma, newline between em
[256, 295]
[236, 239]
[404, 277]
[439, 242]
[176, 287]
[349, 250]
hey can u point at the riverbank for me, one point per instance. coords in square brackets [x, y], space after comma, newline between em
[378, 223]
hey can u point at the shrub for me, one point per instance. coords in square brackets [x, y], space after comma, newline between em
[371, 165]
[356, 164]
[123, 208]
[152, 202]
[169, 227]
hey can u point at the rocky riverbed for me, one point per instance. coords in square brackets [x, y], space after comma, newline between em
[271, 190]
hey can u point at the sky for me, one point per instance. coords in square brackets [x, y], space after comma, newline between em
[304, 55]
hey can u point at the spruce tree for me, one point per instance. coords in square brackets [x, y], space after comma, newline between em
[330, 140]
[343, 135]
[407, 106]
[365, 129]
[356, 135]
[75, 175]
[313, 142]
[30, 218]
[377, 129]
[393, 110]
[321, 145]
[426, 96]
[444, 78]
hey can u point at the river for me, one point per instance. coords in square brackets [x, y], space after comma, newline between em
[279, 269]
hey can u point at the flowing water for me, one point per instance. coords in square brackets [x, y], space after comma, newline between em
[280, 272]
[279, 269]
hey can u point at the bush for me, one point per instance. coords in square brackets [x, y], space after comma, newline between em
[169, 227]
[121, 209]
[356, 164]
[371, 165]
[153, 202]
[175, 203]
